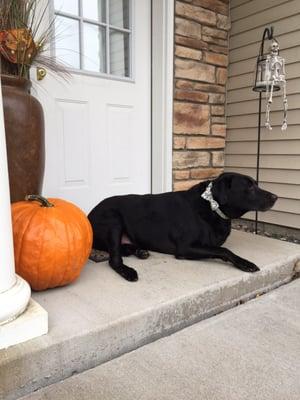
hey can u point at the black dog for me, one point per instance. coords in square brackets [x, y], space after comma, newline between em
[190, 224]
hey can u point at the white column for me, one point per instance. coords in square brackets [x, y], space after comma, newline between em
[14, 291]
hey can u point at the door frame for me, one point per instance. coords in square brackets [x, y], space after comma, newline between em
[162, 94]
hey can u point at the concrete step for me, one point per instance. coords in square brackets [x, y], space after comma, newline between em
[249, 352]
[101, 316]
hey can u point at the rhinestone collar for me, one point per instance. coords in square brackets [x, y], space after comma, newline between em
[214, 205]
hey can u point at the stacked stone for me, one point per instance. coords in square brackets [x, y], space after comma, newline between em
[201, 60]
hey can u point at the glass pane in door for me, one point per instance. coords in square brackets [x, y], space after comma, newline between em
[94, 48]
[94, 10]
[119, 13]
[119, 53]
[67, 6]
[67, 41]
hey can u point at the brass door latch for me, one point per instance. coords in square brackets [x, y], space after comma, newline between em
[40, 73]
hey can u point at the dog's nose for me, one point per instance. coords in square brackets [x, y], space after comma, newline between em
[274, 197]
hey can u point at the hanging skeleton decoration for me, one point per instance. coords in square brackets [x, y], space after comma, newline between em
[275, 78]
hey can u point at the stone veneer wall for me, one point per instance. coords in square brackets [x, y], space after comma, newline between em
[201, 60]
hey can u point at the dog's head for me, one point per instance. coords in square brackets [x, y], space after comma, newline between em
[238, 194]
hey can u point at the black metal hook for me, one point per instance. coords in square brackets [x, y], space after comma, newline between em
[267, 35]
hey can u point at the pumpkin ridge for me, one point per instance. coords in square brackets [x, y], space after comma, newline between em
[21, 212]
[78, 214]
[41, 250]
[68, 247]
[50, 285]
[40, 246]
[88, 236]
[24, 232]
[78, 228]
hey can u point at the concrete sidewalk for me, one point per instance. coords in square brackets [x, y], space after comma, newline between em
[249, 352]
[101, 316]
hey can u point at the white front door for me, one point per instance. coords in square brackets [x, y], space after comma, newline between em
[98, 130]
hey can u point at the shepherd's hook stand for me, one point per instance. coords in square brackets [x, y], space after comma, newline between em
[269, 77]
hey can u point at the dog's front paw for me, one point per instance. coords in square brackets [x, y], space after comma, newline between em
[130, 274]
[247, 266]
[127, 273]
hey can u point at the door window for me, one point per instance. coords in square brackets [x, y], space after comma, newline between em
[94, 35]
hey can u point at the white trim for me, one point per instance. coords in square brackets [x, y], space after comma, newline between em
[162, 94]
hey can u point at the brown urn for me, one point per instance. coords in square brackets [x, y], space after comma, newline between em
[24, 128]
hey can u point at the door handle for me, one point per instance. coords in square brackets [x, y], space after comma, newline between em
[40, 73]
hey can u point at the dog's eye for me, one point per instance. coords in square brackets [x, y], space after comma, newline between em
[250, 186]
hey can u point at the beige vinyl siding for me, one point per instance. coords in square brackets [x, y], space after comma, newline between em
[280, 151]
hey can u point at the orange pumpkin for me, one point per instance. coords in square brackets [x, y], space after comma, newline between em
[52, 241]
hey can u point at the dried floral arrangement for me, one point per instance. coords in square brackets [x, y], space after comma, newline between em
[25, 38]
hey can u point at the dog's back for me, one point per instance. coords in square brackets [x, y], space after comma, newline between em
[149, 221]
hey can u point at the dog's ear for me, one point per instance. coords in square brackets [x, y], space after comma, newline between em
[223, 193]
[222, 190]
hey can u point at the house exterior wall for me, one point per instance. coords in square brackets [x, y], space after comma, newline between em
[201, 59]
[280, 160]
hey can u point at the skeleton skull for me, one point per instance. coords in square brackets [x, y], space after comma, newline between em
[274, 48]
[275, 73]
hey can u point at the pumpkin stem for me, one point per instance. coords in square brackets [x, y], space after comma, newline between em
[42, 200]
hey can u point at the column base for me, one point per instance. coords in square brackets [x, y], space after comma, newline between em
[31, 324]
[13, 302]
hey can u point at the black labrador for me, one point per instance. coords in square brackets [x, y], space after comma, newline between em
[191, 224]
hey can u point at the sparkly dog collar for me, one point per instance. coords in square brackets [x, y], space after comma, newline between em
[214, 205]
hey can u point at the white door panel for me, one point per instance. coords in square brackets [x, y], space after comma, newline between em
[98, 139]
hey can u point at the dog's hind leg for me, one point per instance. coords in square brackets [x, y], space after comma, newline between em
[115, 253]
[142, 254]
[129, 249]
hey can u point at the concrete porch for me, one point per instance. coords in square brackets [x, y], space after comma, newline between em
[248, 352]
[101, 316]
